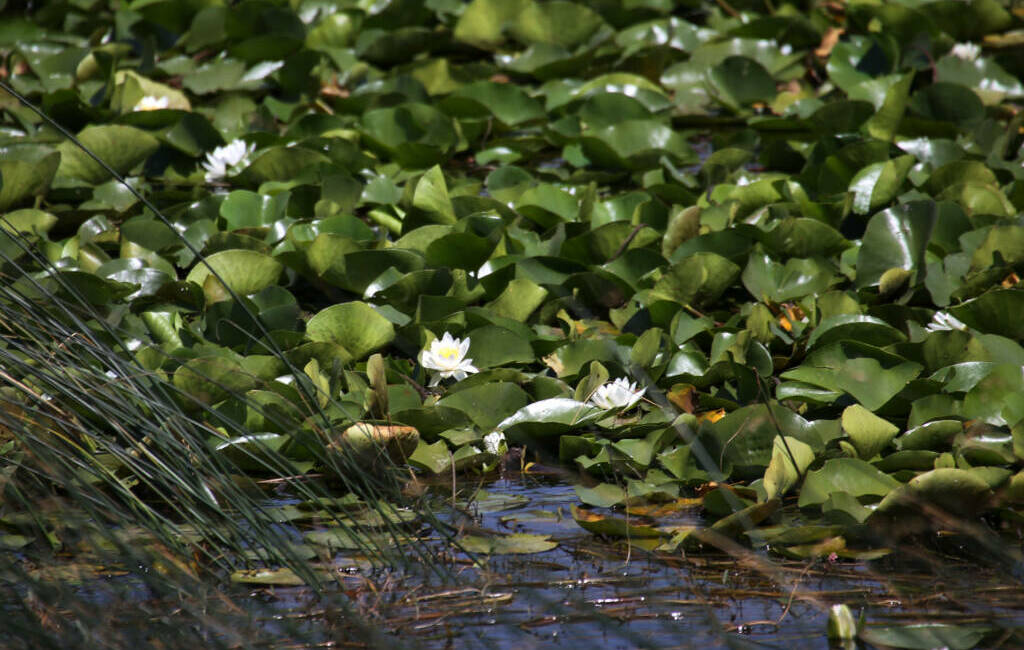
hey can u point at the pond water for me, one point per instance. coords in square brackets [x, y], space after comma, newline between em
[591, 591]
[586, 591]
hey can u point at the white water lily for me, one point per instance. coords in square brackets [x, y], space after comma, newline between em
[943, 320]
[151, 103]
[447, 356]
[495, 443]
[229, 159]
[617, 394]
[966, 51]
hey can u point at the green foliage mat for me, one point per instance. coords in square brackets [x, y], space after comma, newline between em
[794, 231]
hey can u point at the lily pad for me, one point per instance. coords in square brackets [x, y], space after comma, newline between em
[517, 544]
[243, 271]
[924, 635]
[121, 147]
[850, 475]
[355, 326]
[869, 433]
[548, 418]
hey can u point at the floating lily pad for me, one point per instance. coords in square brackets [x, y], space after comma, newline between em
[549, 417]
[243, 271]
[925, 635]
[850, 475]
[869, 433]
[517, 544]
[353, 325]
[121, 147]
[614, 526]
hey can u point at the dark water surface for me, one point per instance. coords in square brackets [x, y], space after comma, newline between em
[590, 592]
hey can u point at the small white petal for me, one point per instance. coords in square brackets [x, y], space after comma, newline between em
[494, 443]
[618, 394]
[150, 103]
[966, 51]
[227, 160]
[943, 320]
[447, 356]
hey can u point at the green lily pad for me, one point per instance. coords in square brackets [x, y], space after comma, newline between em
[739, 81]
[547, 418]
[995, 312]
[957, 491]
[415, 135]
[517, 544]
[492, 346]
[878, 184]
[854, 327]
[243, 271]
[869, 374]
[557, 22]
[609, 526]
[937, 435]
[896, 238]
[282, 577]
[924, 635]
[790, 460]
[483, 22]
[506, 102]
[488, 404]
[209, 380]
[121, 147]
[869, 433]
[699, 279]
[746, 519]
[24, 173]
[850, 475]
[27, 223]
[355, 326]
[636, 144]
[998, 398]
[603, 495]
[769, 281]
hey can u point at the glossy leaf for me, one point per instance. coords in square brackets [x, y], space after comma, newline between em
[353, 325]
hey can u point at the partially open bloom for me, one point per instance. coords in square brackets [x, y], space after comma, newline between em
[229, 159]
[617, 394]
[966, 51]
[447, 356]
[150, 103]
[943, 320]
[495, 443]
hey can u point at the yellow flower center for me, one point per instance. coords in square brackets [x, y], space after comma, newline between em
[448, 352]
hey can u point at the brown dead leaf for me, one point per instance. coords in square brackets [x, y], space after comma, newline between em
[656, 510]
[683, 396]
[552, 361]
[334, 90]
[711, 416]
[828, 41]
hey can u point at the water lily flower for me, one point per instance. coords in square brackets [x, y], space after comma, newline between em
[229, 159]
[150, 103]
[943, 320]
[495, 443]
[617, 394]
[448, 357]
[966, 51]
